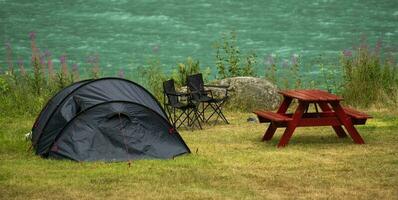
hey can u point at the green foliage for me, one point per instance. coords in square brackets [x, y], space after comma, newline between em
[369, 77]
[37, 81]
[288, 75]
[295, 69]
[330, 76]
[228, 58]
[22, 97]
[4, 86]
[152, 77]
[25, 93]
[271, 69]
[250, 62]
[189, 67]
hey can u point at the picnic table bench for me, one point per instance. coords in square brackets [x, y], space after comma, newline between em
[331, 114]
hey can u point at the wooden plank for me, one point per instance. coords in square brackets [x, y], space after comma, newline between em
[294, 94]
[347, 122]
[285, 104]
[272, 116]
[268, 115]
[355, 113]
[313, 95]
[321, 94]
[326, 95]
[337, 129]
[270, 132]
[324, 121]
[314, 115]
[358, 121]
[287, 134]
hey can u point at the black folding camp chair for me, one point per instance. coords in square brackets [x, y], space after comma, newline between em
[173, 102]
[205, 97]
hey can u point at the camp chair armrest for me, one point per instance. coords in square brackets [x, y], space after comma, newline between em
[179, 94]
[218, 86]
[204, 92]
[208, 92]
[225, 87]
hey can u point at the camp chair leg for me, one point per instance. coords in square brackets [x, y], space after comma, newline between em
[270, 132]
[203, 110]
[217, 110]
[183, 112]
[196, 118]
[223, 116]
[187, 118]
[168, 112]
[174, 117]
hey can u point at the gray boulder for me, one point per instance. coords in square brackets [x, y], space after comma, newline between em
[249, 93]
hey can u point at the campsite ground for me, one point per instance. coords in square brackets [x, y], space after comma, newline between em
[227, 162]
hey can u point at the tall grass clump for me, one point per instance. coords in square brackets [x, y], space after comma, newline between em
[370, 76]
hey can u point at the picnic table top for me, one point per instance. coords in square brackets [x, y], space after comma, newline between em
[311, 95]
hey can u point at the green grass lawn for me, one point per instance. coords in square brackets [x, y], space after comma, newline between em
[227, 162]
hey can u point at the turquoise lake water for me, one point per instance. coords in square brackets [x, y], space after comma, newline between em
[126, 33]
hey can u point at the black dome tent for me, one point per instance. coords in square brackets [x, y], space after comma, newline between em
[109, 119]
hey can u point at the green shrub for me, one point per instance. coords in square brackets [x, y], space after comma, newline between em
[4, 86]
[152, 77]
[370, 77]
[286, 75]
[271, 69]
[228, 58]
[25, 92]
[189, 67]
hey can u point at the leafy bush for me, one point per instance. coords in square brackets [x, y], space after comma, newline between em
[228, 58]
[369, 75]
[285, 74]
[4, 86]
[189, 67]
[152, 77]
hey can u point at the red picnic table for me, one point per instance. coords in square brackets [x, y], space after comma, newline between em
[331, 114]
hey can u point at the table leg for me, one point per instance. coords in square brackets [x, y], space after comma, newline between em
[337, 129]
[272, 127]
[345, 120]
[284, 105]
[293, 124]
[270, 132]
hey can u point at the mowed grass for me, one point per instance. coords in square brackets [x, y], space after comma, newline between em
[227, 162]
